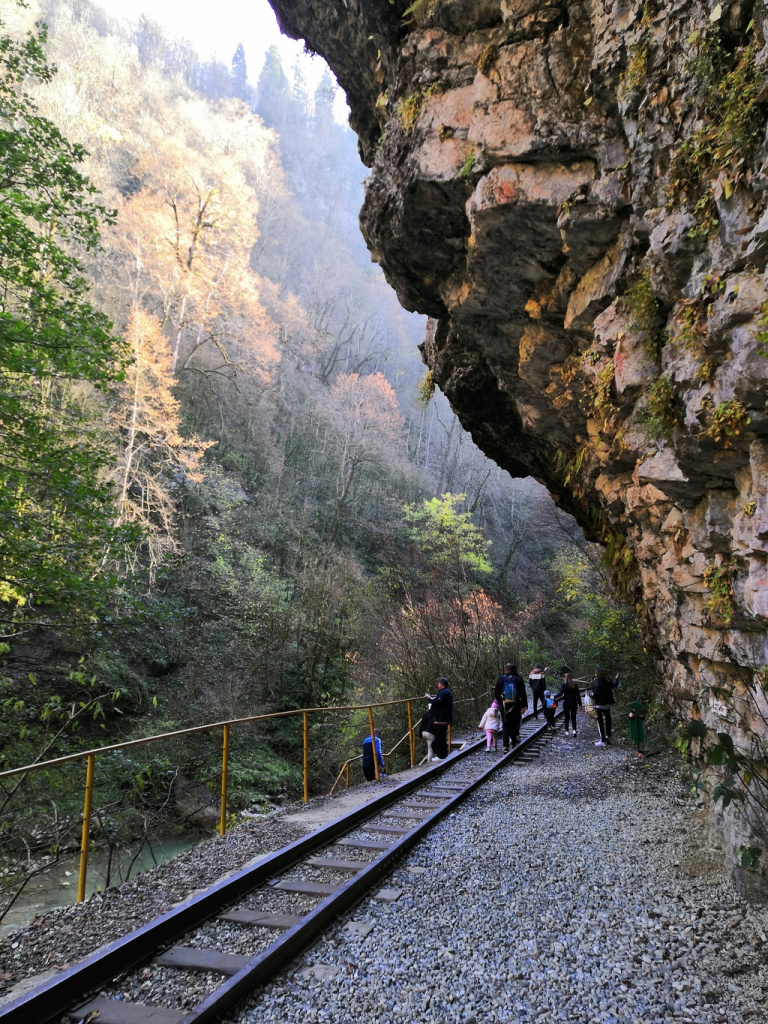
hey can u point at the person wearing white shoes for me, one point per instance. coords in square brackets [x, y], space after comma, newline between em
[570, 694]
[602, 698]
[537, 681]
[425, 730]
[491, 723]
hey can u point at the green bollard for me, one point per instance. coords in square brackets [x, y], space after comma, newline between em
[637, 724]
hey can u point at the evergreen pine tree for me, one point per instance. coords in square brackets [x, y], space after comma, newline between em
[273, 91]
[239, 73]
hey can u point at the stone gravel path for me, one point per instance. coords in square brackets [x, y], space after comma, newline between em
[581, 889]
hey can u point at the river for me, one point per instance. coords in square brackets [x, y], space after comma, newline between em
[57, 886]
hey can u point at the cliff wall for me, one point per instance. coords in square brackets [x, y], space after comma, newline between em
[576, 194]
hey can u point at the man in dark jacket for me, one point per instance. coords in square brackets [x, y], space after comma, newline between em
[602, 698]
[442, 715]
[570, 694]
[513, 701]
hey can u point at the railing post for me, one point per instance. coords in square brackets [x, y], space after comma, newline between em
[449, 739]
[373, 744]
[224, 778]
[347, 774]
[86, 834]
[305, 743]
[411, 737]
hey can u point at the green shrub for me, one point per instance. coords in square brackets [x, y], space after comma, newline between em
[643, 307]
[660, 411]
[728, 420]
[730, 132]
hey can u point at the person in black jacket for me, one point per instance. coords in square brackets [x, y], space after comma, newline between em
[537, 680]
[602, 698]
[570, 694]
[442, 716]
[511, 709]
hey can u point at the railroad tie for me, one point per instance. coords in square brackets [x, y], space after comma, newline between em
[297, 885]
[114, 1011]
[397, 830]
[407, 815]
[262, 919]
[337, 865]
[365, 844]
[202, 960]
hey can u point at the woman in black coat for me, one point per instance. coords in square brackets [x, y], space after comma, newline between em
[570, 694]
[602, 698]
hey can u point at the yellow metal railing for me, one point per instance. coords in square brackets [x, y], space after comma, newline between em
[89, 756]
[410, 736]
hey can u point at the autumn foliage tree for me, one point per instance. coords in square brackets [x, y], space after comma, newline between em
[154, 458]
[365, 427]
[465, 638]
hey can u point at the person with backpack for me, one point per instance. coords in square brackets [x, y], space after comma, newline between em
[369, 769]
[512, 699]
[550, 707]
[491, 722]
[602, 698]
[537, 681]
[441, 706]
[570, 694]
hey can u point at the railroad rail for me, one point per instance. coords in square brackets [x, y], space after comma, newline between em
[351, 853]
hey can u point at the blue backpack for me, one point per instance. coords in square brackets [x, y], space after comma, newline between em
[510, 689]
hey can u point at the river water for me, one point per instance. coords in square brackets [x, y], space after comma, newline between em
[57, 886]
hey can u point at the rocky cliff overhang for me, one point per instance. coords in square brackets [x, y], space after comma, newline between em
[575, 193]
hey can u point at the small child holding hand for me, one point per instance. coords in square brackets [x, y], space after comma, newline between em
[491, 722]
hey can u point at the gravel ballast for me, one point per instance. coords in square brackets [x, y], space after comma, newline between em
[577, 888]
[580, 888]
[65, 936]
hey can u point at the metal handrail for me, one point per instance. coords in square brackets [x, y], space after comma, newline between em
[90, 758]
[35, 765]
[407, 736]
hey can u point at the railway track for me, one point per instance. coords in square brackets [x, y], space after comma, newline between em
[267, 913]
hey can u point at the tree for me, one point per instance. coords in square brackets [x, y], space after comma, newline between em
[449, 547]
[604, 630]
[273, 91]
[155, 457]
[56, 511]
[365, 424]
[239, 73]
[468, 639]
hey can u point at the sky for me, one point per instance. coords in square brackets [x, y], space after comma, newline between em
[215, 29]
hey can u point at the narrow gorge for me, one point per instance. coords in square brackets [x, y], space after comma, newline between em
[577, 196]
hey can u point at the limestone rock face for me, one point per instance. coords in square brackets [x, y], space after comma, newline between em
[560, 186]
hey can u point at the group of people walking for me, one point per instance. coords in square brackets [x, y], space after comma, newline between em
[510, 701]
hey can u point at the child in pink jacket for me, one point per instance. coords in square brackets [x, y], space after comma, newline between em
[491, 722]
